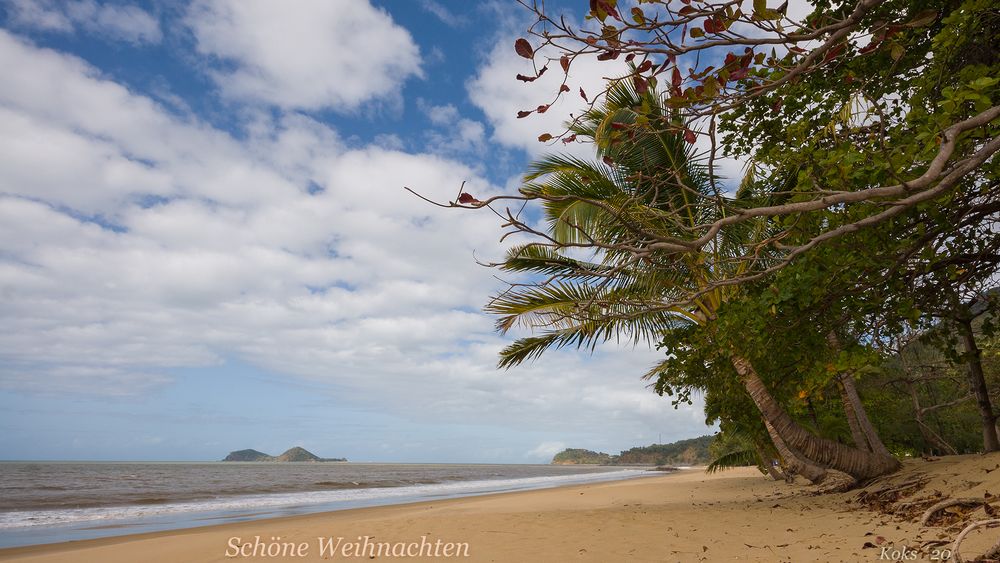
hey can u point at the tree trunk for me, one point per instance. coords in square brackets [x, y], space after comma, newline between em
[765, 460]
[865, 437]
[933, 439]
[857, 435]
[795, 461]
[873, 442]
[977, 384]
[861, 465]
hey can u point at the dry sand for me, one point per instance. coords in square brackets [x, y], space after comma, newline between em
[736, 515]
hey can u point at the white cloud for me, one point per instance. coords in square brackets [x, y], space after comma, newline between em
[454, 133]
[546, 450]
[222, 251]
[446, 16]
[114, 21]
[307, 54]
[500, 96]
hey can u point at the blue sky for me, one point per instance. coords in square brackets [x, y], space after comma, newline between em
[205, 244]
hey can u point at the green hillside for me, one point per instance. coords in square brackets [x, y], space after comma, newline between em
[693, 451]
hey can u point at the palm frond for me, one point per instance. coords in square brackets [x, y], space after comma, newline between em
[731, 460]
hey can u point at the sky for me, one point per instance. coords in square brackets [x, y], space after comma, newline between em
[205, 244]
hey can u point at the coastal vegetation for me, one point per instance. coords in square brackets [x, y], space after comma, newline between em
[835, 305]
[694, 451]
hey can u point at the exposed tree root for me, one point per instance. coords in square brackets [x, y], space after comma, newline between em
[947, 503]
[956, 554]
[882, 499]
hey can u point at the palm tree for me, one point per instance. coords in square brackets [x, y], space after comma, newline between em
[604, 267]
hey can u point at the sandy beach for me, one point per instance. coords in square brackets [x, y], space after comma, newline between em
[736, 515]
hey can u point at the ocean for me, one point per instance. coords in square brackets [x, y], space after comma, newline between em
[46, 502]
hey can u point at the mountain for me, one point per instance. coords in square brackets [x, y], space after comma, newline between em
[248, 455]
[684, 452]
[293, 454]
[298, 454]
[575, 456]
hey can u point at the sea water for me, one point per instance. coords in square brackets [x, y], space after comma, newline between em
[45, 502]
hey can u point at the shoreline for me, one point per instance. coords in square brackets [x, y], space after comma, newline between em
[735, 515]
[186, 515]
[686, 515]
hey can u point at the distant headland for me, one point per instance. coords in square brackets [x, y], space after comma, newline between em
[685, 452]
[293, 454]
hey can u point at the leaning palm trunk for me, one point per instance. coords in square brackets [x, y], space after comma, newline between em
[857, 434]
[794, 461]
[854, 408]
[857, 463]
[862, 430]
[765, 461]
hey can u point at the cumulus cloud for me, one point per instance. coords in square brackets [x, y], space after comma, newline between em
[114, 21]
[453, 133]
[307, 54]
[134, 243]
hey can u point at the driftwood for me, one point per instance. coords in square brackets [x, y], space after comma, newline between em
[956, 554]
[930, 512]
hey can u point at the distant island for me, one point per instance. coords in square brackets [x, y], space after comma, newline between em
[293, 454]
[684, 452]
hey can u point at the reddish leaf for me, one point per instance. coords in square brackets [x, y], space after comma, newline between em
[542, 109]
[467, 198]
[564, 88]
[617, 126]
[689, 136]
[524, 78]
[609, 55]
[686, 10]
[544, 137]
[630, 57]
[583, 94]
[606, 7]
[638, 16]
[832, 53]
[646, 65]
[542, 70]
[523, 48]
[570, 139]
[675, 78]
[640, 85]
[607, 160]
[870, 47]
[521, 114]
[739, 74]
[564, 62]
